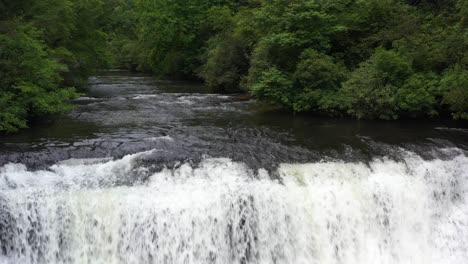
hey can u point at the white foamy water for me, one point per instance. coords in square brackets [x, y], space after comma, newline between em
[220, 211]
[85, 98]
[161, 138]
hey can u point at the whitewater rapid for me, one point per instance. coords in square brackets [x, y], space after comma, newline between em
[219, 211]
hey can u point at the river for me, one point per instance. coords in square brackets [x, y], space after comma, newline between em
[149, 171]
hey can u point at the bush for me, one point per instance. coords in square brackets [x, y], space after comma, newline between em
[317, 76]
[276, 86]
[29, 80]
[226, 64]
[420, 95]
[371, 90]
[455, 83]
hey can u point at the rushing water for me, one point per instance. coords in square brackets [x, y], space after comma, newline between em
[145, 171]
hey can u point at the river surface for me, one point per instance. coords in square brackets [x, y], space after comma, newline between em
[149, 171]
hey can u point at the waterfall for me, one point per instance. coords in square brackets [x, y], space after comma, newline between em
[411, 210]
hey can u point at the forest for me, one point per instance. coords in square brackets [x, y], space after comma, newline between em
[365, 59]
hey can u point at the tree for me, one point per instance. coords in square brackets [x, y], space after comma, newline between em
[371, 90]
[455, 82]
[29, 80]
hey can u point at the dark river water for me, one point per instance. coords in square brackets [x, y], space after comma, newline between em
[149, 171]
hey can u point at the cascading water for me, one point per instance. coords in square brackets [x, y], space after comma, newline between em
[220, 211]
[146, 171]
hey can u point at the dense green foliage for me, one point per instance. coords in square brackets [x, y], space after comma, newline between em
[34, 93]
[46, 46]
[382, 59]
